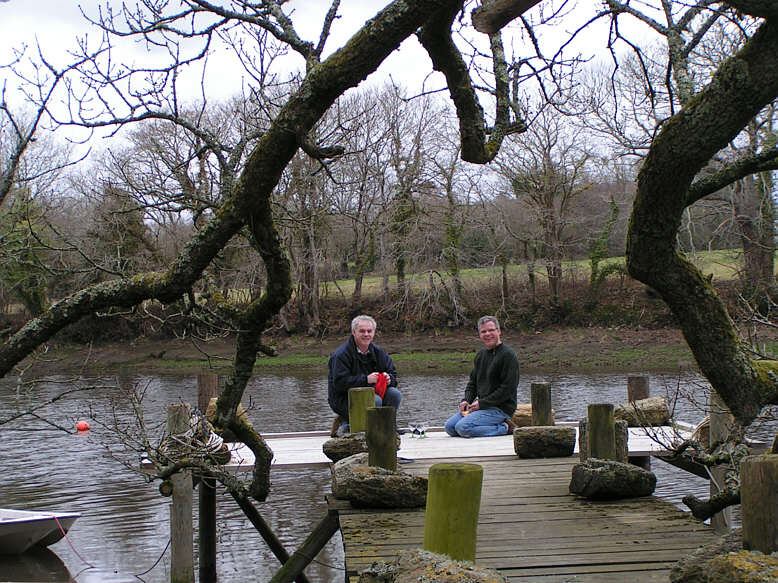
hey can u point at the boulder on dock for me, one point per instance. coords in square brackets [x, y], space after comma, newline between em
[650, 412]
[522, 416]
[368, 486]
[544, 441]
[345, 446]
[725, 561]
[419, 565]
[610, 480]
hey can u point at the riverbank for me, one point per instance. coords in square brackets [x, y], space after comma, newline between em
[553, 350]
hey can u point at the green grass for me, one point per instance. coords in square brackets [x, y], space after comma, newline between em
[722, 264]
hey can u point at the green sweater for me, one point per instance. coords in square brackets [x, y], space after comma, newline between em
[494, 379]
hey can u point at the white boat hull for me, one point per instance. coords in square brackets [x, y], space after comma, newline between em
[21, 530]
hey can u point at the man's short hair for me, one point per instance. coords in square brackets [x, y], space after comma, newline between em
[486, 319]
[362, 318]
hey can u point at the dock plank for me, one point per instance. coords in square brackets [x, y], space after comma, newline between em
[531, 529]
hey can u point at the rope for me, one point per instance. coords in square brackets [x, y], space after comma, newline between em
[67, 538]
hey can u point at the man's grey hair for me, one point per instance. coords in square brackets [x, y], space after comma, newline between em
[486, 319]
[362, 318]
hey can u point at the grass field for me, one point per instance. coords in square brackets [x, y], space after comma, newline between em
[723, 264]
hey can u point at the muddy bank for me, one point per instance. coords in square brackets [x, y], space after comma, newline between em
[556, 350]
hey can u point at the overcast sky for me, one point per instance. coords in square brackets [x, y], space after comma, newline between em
[55, 24]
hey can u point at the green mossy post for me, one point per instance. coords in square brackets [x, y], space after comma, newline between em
[759, 502]
[540, 397]
[181, 529]
[453, 504]
[381, 437]
[601, 431]
[359, 401]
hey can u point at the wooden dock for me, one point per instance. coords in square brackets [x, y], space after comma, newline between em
[532, 530]
[304, 449]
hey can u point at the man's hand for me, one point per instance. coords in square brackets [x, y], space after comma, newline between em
[463, 406]
[372, 378]
[474, 406]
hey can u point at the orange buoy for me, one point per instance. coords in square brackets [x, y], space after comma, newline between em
[83, 426]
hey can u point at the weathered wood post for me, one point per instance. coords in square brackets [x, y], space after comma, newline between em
[721, 424]
[382, 437]
[759, 502]
[453, 504]
[359, 400]
[601, 434]
[540, 397]
[638, 388]
[181, 530]
[207, 389]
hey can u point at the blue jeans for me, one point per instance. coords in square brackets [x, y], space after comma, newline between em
[481, 423]
[392, 398]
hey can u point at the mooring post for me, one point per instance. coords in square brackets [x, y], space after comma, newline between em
[638, 388]
[181, 530]
[382, 437]
[721, 424]
[540, 397]
[207, 388]
[601, 434]
[359, 400]
[453, 504]
[759, 502]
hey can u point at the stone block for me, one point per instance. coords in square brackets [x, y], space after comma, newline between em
[650, 412]
[545, 441]
[610, 480]
[374, 487]
[418, 565]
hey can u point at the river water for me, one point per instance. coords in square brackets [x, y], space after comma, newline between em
[123, 532]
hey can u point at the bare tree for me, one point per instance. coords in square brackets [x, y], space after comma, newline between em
[185, 32]
[546, 170]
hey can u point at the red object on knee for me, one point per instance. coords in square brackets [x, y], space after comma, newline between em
[380, 385]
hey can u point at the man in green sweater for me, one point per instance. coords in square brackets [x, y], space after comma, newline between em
[490, 395]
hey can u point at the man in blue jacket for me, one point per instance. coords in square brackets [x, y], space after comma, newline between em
[490, 395]
[359, 363]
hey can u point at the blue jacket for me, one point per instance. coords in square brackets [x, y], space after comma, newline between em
[348, 368]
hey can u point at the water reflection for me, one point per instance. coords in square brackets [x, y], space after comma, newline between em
[123, 532]
[34, 565]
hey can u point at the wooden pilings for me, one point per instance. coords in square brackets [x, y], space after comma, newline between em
[759, 503]
[721, 424]
[181, 531]
[359, 400]
[540, 398]
[453, 505]
[207, 388]
[601, 435]
[638, 388]
[382, 437]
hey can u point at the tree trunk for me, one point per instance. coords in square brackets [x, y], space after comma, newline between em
[687, 141]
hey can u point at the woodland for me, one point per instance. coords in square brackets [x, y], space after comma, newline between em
[123, 190]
